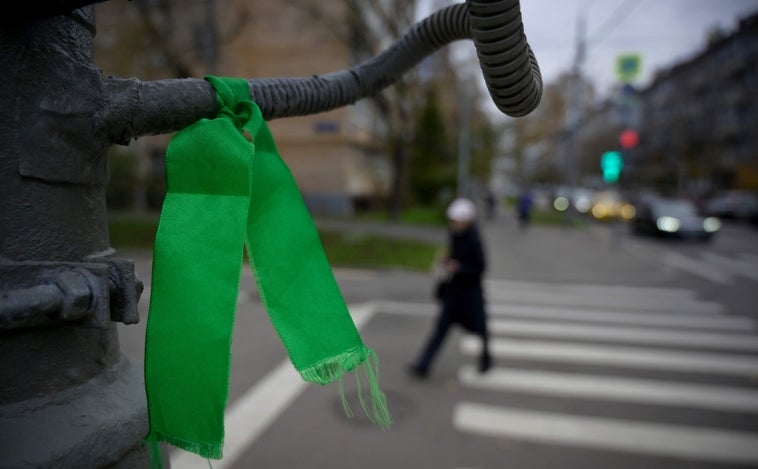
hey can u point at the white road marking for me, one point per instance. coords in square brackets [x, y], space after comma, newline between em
[736, 323]
[639, 335]
[593, 289]
[707, 444]
[696, 267]
[605, 301]
[614, 355]
[251, 414]
[733, 266]
[613, 388]
[730, 323]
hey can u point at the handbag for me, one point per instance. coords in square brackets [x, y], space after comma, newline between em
[441, 287]
[441, 279]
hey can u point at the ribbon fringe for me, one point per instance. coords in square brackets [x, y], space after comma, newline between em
[366, 365]
[206, 450]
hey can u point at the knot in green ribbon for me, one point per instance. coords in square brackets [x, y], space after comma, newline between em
[226, 193]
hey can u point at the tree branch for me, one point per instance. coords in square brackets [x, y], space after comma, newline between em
[507, 62]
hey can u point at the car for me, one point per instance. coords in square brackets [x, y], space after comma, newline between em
[610, 205]
[736, 204]
[673, 217]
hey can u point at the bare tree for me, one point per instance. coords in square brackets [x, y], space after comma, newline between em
[367, 27]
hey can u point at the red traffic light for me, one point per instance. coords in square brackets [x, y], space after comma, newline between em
[629, 139]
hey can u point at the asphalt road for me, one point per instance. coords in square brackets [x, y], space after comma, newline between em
[611, 351]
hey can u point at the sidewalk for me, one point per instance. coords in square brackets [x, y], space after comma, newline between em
[589, 253]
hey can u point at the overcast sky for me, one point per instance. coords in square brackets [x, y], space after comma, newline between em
[663, 32]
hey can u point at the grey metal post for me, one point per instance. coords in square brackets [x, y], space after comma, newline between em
[65, 388]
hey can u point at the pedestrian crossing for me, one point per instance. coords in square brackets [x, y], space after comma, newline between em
[716, 268]
[614, 346]
[577, 346]
[705, 444]
[613, 388]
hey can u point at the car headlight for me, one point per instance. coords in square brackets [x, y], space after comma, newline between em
[711, 224]
[667, 224]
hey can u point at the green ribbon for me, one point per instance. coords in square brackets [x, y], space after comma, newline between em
[228, 188]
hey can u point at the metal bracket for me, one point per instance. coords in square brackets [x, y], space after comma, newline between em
[47, 293]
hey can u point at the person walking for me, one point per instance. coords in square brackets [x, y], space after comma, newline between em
[462, 298]
[525, 202]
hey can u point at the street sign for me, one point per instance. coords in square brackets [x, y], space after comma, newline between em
[628, 67]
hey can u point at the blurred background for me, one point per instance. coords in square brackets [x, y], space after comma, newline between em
[618, 343]
[666, 90]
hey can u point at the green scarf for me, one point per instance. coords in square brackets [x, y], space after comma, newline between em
[227, 187]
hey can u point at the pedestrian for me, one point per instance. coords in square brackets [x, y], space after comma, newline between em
[525, 202]
[462, 299]
[491, 205]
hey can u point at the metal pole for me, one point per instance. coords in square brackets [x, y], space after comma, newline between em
[574, 112]
[464, 142]
[68, 398]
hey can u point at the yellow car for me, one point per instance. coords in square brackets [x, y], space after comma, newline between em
[609, 206]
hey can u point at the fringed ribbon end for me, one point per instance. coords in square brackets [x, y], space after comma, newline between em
[206, 450]
[153, 451]
[366, 365]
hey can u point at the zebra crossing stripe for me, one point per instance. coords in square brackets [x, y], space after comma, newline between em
[638, 335]
[733, 266]
[594, 289]
[707, 444]
[645, 318]
[696, 267]
[734, 323]
[615, 355]
[613, 388]
[606, 301]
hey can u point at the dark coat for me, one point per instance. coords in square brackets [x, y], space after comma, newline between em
[463, 299]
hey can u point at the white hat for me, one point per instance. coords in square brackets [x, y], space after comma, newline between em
[461, 210]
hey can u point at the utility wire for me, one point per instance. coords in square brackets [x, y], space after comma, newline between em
[616, 18]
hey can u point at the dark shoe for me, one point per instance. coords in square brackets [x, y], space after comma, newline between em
[418, 372]
[485, 363]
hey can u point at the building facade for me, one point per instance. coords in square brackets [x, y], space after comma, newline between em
[697, 122]
[336, 157]
[700, 118]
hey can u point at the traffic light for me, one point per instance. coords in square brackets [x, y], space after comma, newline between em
[629, 139]
[611, 163]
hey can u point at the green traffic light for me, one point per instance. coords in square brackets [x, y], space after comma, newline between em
[611, 163]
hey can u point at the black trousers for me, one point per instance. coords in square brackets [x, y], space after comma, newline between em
[455, 313]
